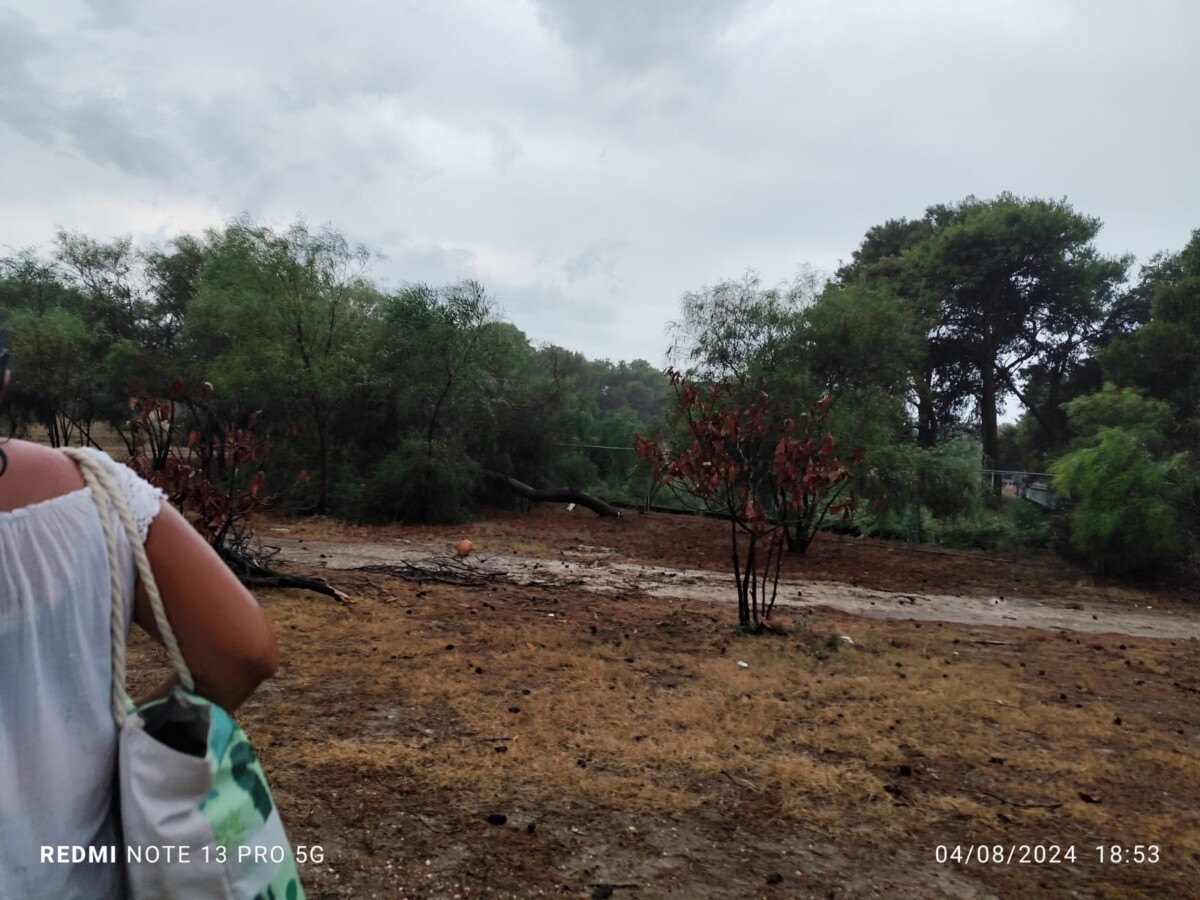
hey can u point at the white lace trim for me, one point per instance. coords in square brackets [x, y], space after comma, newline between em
[143, 499]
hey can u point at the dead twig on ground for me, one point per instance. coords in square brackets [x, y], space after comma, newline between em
[740, 782]
[1010, 706]
[1017, 804]
[443, 571]
[424, 821]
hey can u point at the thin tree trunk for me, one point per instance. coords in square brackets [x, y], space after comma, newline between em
[743, 605]
[926, 415]
[323, 459]
[989, 430]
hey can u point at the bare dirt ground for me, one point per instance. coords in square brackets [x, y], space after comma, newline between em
[597, 569]
[581, 718]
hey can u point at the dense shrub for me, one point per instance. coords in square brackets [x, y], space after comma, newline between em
[574, 470]
[420, 482]
[1124, 515]
[1017, 525]
[1128, 494]
[1033, 527]
[979, 529]
[896, 477]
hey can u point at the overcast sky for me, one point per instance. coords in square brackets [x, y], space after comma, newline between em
[591, 160]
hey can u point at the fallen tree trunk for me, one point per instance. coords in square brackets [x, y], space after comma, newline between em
[555, 495]
[254, 574]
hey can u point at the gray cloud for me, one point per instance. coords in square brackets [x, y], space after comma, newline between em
[358, 79]
[113, 13]
[646, 62]
[505, 147]
[412, 261]
[20, 42]
[591, 161]
[598, 259]
[641, 36]
[107, 132]
[101, 125]
[550, 314]
[22, 98]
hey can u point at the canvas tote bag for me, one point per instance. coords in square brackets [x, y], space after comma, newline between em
[197, 817]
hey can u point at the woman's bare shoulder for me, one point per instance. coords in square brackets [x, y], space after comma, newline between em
[35, 473]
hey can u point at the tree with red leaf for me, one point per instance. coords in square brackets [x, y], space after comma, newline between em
[772, 476]
[211, 471]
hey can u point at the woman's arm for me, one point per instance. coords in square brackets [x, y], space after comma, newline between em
[222, 631]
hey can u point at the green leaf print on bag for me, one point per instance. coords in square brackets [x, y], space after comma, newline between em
[249, 776]
[291, 892]
[232, 830]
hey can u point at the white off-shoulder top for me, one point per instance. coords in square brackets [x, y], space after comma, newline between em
[58, 740]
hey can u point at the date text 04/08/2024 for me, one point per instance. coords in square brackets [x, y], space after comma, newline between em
[1046, 854]
[170, 853]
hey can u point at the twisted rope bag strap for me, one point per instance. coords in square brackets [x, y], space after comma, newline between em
[117, 618]
[104, 488]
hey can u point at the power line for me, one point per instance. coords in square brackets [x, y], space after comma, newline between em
[598, 447]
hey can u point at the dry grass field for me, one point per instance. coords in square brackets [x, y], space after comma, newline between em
[520, 741]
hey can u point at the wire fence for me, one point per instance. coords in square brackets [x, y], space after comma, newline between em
[1037, 487]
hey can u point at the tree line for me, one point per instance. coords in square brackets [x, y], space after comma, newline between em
[391, 403]
[937, 325]
[395, 402]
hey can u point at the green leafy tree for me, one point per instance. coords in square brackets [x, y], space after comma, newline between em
[736, 329]
[860, 345]
[1021, 449]
[525, 385]
[29, 282]
[1126, 492]
[1163, 356]
[1020, 282]
[437, 356]
[172, 275]
[1002, 287]
[636, 387]
[884, 263]
[51, 352]
[117, 295]
[281, 320]
[901, 481]
[107, 277]
[65, 378]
